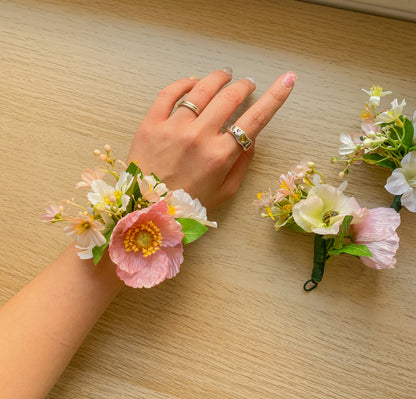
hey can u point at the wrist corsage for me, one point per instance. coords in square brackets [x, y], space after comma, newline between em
[386, 139]
[143, 224]
[306, 203]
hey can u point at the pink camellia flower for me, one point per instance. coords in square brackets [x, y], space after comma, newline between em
[378, 232]
[146, 245]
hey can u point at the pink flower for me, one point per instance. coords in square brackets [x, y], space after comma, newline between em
[51, 211]
[146, 246]
[378, 232]
[287, 186]
[86, 231]
[88, 176]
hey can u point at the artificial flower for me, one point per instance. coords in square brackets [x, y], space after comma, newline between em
[181, 205]
[287, 186]
[403, 181]
[85, 230]
[375, 93]
[151, 189]
[349, 146]
[52, 212]
[378, 232]
[105, 196]
[264, 199]
[393, 114]
[324, 209]
[146, 246]
[88, 176]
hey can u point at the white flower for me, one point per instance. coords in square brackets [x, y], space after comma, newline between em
[105, 196]
[375, 93]
[403, 181]
[86, 252]
[348, 145]
[393, 114]
[181, 205]
[323, 211]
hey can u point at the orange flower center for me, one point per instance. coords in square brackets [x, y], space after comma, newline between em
[144, 237]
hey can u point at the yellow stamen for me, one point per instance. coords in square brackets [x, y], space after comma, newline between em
[365, 113]
[285, 186]
[144, 237]
[269, 212]
[287, 207]
[81, 228]
[171, 210]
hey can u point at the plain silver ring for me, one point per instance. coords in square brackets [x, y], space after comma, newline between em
[189, 105]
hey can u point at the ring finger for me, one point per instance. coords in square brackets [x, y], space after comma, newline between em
[203, 92]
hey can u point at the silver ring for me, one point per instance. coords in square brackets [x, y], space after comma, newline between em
[189, 105]
[240, 136]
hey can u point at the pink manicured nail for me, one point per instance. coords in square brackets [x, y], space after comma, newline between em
[228, 70]
[289, 79]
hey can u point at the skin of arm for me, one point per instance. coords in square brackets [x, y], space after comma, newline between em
[46, 322]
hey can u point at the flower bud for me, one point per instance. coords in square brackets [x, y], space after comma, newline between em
[103, 158]
[97, 153]
[107, 147]
[341, 174]
[311, 165]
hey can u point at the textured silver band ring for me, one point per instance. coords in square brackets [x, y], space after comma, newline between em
[189, 105]
[240, 136]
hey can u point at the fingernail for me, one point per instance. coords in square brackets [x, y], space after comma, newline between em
[194, 78]
[228, 70]
[289, 79]
[251, 80]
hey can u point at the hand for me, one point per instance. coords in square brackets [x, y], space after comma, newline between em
[188, 151]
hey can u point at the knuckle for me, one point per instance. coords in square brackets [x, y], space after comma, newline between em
[165, 93]
[259, 119]
[201, 90]
[231, 95]
[277, 95]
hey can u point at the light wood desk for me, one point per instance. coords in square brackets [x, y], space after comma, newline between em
[235, 323]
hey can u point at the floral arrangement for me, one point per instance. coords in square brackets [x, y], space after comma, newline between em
[386, 139]
[143, 224]
[306, 203]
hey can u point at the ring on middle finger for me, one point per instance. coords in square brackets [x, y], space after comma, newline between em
[190, 106]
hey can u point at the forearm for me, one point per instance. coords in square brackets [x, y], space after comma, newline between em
[42, 327]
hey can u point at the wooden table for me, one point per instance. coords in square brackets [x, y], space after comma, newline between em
[235, 323]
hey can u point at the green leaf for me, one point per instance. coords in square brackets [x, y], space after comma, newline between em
[192, 229]
[352, 249]
[320, 255]
[379, 160]
[132, 169]
[98, 252]
[397, 203]
[408, 131]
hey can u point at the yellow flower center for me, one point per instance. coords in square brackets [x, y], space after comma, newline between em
[326, 218]
[81, 228]
[144, 237]
[285, 186]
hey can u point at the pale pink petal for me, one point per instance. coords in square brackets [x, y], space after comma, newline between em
[51, 211]
[379, 224]
[175, 255]
[155, 271]
[383, 253]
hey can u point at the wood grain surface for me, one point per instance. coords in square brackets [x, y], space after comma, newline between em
[235, 323]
